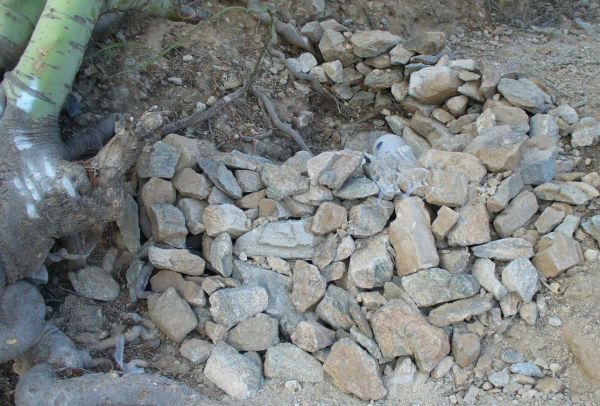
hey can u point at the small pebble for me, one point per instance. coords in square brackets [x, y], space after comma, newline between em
[175, 80]
[555, 321]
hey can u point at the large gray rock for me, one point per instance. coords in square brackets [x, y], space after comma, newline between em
[333, 47]
[520, 210]
[369, 218]
[586, 133]
[189, 183]
[195, 350]
[557, 254]
[230, 306]
[335, 306]
[222, 177]
[446, 188]
[189, 290]
[468, 164]
[158, 161]
[525, 94]
[287, 362]
[472, 226]
[498, 148]
[249, 181]
[505, 249]
[309, 285]
[566, 192]
[367, 44]
[94, 283]
[354, 371]
[537, 165]
[370, 264]
[328, 218]
[383, 79]
[432, 286]
[401, 330]
[168, 224]
[238, 375]
[357, 188]
[485, 272]
[172, 315]
[279, 305]
[434, 85]
[192, 210]
[521, 277]
[220, 255]
[465, 348]
[312, 336]
[284, 239]
[333, 168]
[225, 218]
[455, 312]
[411, 236]
[177, 260]
[283, 181]
[254, 334]
[507, 190]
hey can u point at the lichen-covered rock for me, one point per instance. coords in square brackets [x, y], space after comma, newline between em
[287, 362]
[230, 306]
[434, 285]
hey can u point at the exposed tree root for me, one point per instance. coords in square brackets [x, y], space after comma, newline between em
[55, 348]
[274, 116]
[42, 386]
[92, 139]
[22, 312]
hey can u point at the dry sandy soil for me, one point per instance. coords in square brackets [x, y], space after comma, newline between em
[129, 73]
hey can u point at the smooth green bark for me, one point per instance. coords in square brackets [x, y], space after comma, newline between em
[160, 8]
[18, 19]
[42, 79]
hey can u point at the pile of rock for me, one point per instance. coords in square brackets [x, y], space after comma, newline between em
[365, 266]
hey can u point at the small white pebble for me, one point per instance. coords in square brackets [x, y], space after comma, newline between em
[588, 161]
[591, 255]
[211, 100]
[555, 321]
[175, 80]
[293, 386]
[187, 58]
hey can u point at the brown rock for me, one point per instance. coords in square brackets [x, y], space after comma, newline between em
[520, 210]
[468, 164]
[472, 227]
[443, 223]
[399, 330]
[498, 148]
[411, 236]
[329, 217]
[354, 371]
[434, 85]
[465, 348]
[309, 285]
[446, 188]
[557, 254]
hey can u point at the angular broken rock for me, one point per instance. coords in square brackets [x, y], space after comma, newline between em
[446, 188]
[455, 312]
[399, 330]
[224, 218]
[498, 148]
[465, 348]
[309, 285]
[369, 217]
[557, 254]
[521, 277]
[354, 371]
[287, 362]
[129, 225]
[434, 85]
[172, 315]
[566, 192]
[520, 210]
[472, 227]
[283, 181]
[249, 181]
[411, 236]
[279, 304]
[468, 164]
[220, 255]
[257, 333]
[284, 239]
[435, 285]
[329, 217]
[237, 375]
[550, 218]
[525, 94]
[189, 290]
[189, 183]
[443, 223]
[222, 177]
[507, 190]
[95, 283]
[312, 336]
[230, 306]
[177, 260]
[335, 306]
[192, 210]
[367, 44]
[357, 188]
[485, 272]
[168, 224]
[505, 249]
[158, 161]
[196, 350]
[333, 47]
[333, 168]
[370, 264]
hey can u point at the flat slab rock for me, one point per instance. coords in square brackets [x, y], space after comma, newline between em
[230, 306]
[435, 285]
[290, 239]
[288, 362]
